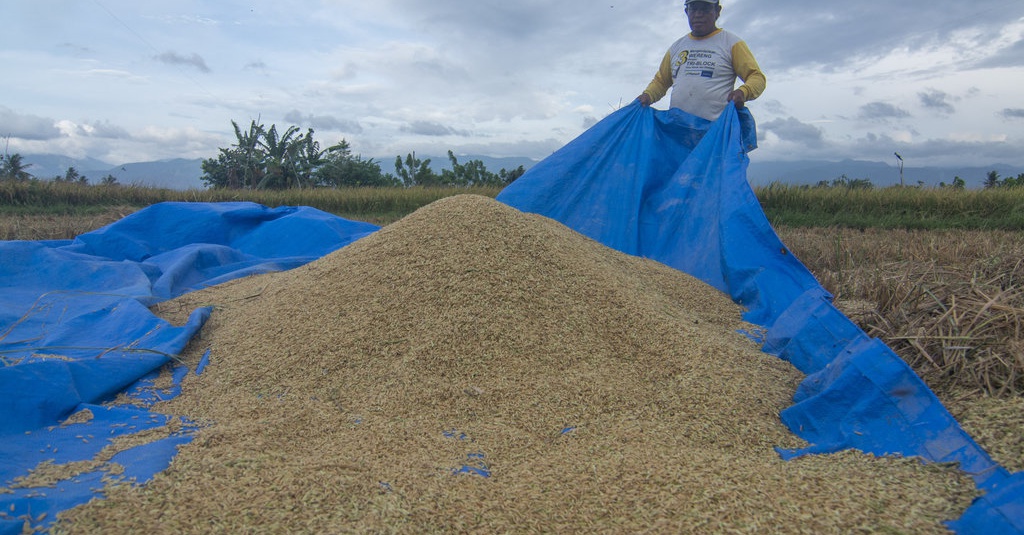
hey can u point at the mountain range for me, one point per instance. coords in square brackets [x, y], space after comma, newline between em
[183, 174]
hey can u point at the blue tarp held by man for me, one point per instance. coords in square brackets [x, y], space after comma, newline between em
[672, 187]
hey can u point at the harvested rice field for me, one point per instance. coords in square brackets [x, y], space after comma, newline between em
[471, 368]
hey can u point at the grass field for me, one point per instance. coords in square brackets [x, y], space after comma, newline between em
[935, 274]
[891, 208]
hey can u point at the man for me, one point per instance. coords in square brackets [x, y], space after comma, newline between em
[702, 67]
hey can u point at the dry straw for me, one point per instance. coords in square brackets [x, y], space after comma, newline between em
[373, 390]
[951, 303]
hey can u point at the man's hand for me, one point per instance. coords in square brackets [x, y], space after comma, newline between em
[739, 98]
[645, 99]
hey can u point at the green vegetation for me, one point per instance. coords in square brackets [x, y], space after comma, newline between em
[13, 167]
[376, 205]
[291, 169]
[993, 180]
[261, 159]
[997, 208]
[891, 208]
[894, 207]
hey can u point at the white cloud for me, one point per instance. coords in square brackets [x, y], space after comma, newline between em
[154, 80]
[27, 126]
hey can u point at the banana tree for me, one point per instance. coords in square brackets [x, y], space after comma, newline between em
[281, 154]
[247, 161]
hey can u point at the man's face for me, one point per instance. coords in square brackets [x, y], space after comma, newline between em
[703, 17]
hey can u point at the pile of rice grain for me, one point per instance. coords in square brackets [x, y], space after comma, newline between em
[472, 368]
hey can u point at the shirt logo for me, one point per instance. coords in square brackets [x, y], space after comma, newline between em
[683, 56]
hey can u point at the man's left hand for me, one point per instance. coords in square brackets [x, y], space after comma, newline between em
[739, 98]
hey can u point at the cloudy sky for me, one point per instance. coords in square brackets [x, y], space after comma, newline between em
[127, 80]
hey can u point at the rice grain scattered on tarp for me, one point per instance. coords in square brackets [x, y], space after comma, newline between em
[471, 368]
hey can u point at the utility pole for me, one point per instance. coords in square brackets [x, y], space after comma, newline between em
[900, 165]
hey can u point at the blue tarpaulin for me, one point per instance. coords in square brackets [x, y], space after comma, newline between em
[672, 187]
[75, 330]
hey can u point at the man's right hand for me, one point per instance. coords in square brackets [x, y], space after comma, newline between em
[645, 99]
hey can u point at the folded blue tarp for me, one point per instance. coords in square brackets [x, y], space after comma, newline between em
[75, 331]
[672, 187]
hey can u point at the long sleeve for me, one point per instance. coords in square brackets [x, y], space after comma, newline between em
[662, 81]
[745, 66]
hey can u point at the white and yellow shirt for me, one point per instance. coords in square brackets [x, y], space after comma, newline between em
[702, 71]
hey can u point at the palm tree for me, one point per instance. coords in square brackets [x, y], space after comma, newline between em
[13, 168]
[992, 180]
[71, 176]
